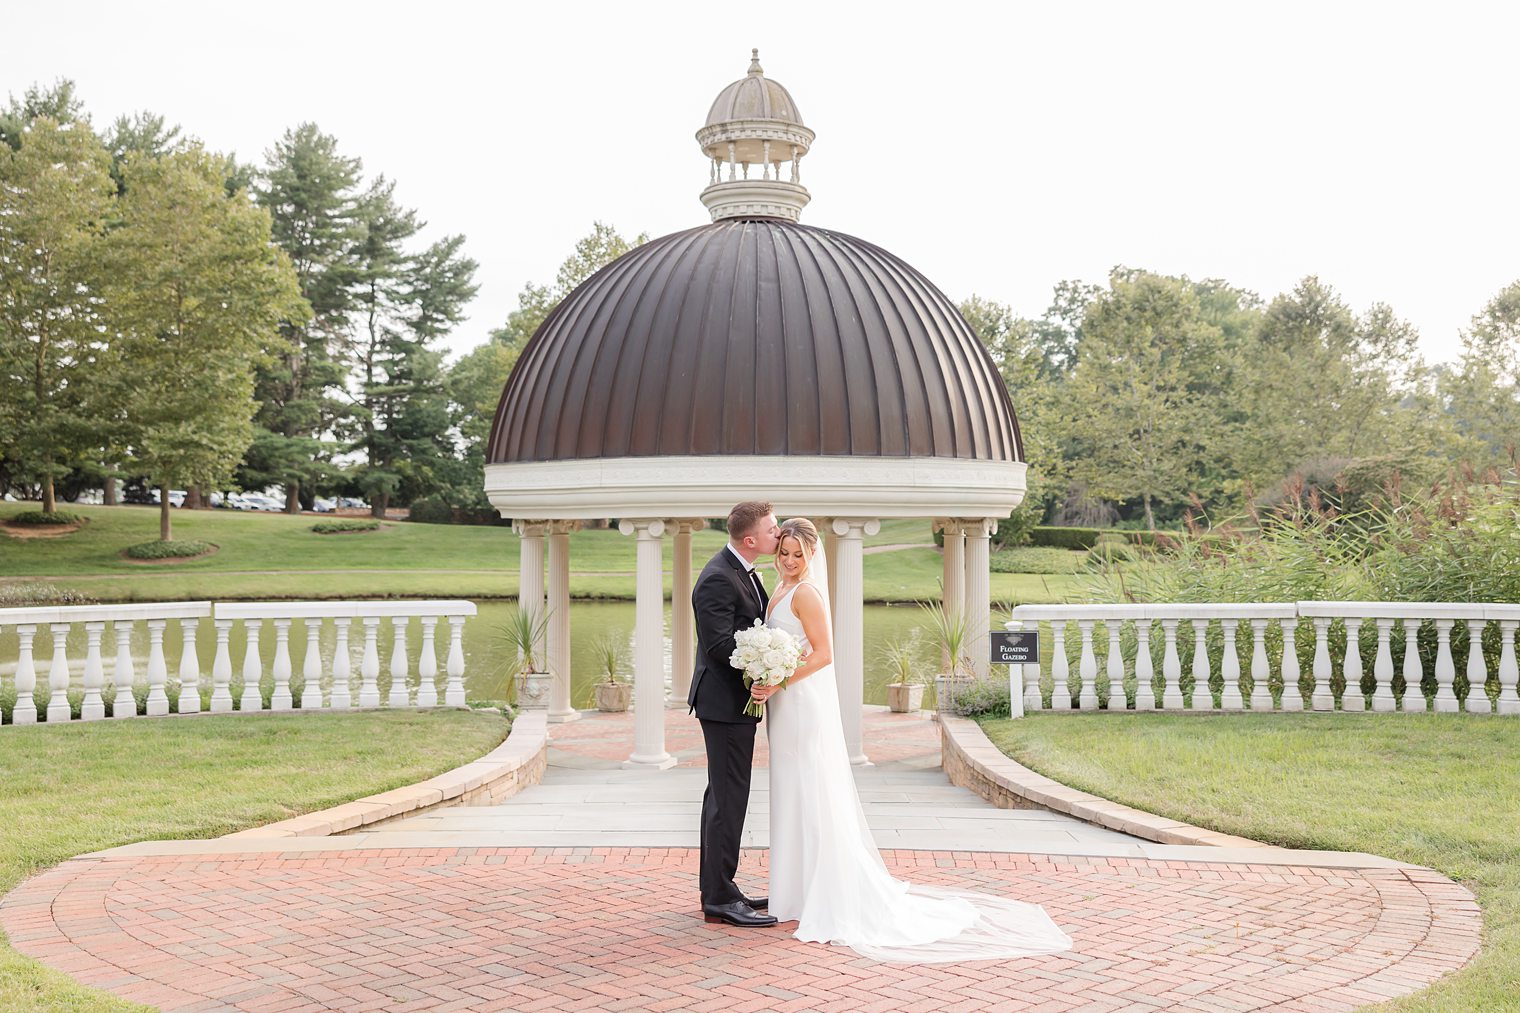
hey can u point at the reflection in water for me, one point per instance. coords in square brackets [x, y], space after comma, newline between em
[486, 658]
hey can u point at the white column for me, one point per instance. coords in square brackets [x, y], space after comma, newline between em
[849, 627]
[559, 620]
[831, 550]
[649, 647]
[158, 672]
[400, 694]
[1446, 700]
[369, 664]
[25, 710]
[1352, 698]
[342, 697]
[122, 674]
[952, 583]
[1477, 671]
[1292, 696]
[427, 666]
[94, 674]
[1382, 669]
[979, 594]
[311, 667]
[58, 675]
[189, 669]
[530, 571]
[453, 694]
[682, 620]
[281, 699]
[253, 668]
[1509, 672]
[221, 669]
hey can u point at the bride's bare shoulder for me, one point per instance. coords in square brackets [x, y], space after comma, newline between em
[808, 595]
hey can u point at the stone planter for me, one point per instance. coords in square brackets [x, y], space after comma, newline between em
[946, 690]
[613, 697]
[904, 698]
[533, 690]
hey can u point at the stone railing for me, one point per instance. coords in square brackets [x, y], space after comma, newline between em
[1291, 656]
[335, 675]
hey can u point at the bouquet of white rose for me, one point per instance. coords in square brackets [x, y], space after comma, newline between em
[767, 656]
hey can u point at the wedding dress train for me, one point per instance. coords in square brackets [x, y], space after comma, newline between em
[825, 871]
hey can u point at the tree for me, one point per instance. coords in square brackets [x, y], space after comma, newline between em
[1134, 389]
[198, 292]
[57, 103]
[55, 192]
[311, 193]
[1481, 395]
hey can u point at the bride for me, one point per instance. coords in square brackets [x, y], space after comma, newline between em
[826, 873]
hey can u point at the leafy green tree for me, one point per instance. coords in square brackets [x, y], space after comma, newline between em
[57, 103]
[312, 194]
[1134, 391]
[196, 298]
[1481, 394]
[55, 194]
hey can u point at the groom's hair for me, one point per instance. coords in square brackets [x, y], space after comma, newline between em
[743, 518]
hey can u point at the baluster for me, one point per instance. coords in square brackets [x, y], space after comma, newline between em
[311, 667]
[189, 669]
[342, 670]
[1261, 671]
[221, 668]
[125, 704]
[94, 707]
[1230, 699]
[280, 699]
[1205, 701]
[1029, 675]
[1060, 670]
[1145, 673]
[1477, 670]
[1446, 671]
[369, 666]
[1351, 667]
[399, 665]
[25, 710]
[1509, 675]
[158, 671]
[1414, 673]
[1382, 669]
[1087, 668]
[1323, 698]
[1293, 696]
[1115, 666]
[1171, 668]
[253, 668]
[453, 694]
[427, 666]
[58, 675]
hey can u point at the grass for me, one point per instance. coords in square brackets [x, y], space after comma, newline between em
[277, 556]
[79, 788]
[1438, 790]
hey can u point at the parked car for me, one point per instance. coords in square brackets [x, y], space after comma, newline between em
[324, 506]
[176, 497]
[350, 503]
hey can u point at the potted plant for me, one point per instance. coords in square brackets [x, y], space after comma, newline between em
[612, 693]
[905, 693]
[521, 634]
[952, 634]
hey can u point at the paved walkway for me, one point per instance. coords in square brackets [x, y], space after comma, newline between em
[370, 922]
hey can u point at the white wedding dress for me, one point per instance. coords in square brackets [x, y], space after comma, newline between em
[826, 873]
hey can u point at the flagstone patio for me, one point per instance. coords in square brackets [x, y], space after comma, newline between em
[378, 920]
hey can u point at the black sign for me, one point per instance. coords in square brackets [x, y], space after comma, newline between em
[1022, 648]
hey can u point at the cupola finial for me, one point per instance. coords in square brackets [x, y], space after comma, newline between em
[754, 62]
[752, 130]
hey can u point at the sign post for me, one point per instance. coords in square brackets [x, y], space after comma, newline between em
[1017, 648]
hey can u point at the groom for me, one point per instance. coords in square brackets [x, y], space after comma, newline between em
[728, 597]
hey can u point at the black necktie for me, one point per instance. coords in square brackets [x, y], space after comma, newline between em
[759, 587]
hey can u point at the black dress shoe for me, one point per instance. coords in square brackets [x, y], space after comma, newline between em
[758, 903]
[736, 913]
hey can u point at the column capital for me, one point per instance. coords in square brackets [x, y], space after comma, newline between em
[949, 525]
[645, 526]
[530, 529]
[854, 527]
[687, 525]
[978, 527]
[564, 527]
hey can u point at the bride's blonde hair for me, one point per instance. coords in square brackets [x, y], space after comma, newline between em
[806, 534]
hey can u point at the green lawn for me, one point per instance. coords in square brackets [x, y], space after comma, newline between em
[82, 788]
[1439, 790]
[272, 556]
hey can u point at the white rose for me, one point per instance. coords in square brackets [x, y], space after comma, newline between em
[773, 659]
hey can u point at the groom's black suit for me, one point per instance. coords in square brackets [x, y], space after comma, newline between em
[725, 599]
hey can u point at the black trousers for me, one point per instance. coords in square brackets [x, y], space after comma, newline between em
[730, 758]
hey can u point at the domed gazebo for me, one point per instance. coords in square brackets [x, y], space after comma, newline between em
[752, 358]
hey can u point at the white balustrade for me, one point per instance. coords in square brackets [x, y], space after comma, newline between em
[154, 666]
[1351, 661]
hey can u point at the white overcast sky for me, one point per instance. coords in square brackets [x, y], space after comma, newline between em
[997, 147]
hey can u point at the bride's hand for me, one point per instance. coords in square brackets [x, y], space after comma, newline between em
[763, 693]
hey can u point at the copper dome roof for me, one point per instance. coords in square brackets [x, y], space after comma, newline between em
[754, 337]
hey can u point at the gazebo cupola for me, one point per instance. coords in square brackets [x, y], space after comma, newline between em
[752, 131]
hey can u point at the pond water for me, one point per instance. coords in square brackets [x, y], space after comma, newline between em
[486, 658]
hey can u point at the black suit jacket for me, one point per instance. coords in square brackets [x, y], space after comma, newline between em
[725, 600]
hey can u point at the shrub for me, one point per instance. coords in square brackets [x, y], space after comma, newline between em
[983, 698]
[1087, 538]
[339, 526]
[1032, 559]
[431, 510]
[23, 595]
[40, 517]
[168, 550]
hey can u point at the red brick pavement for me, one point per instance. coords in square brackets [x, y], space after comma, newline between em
[617, 928]
[889, 738]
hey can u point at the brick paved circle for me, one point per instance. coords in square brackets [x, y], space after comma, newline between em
[617, 928]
